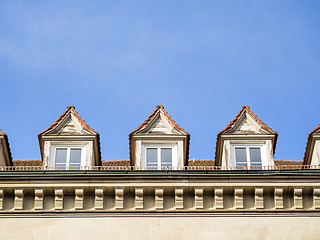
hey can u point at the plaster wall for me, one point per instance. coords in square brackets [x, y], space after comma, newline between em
[316, 153]
[162, 227]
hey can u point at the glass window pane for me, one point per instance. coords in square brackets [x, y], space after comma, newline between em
[241, 156]
[75, 156]
[166, 156]
[152, 157]
[255, 156]
[61, 157]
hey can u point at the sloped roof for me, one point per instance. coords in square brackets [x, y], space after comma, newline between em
[29, 162]
[236, 118]
[308, 145]
[116, 163]
[5, 136]
[279, 163]
[146, 122]
[201, 162]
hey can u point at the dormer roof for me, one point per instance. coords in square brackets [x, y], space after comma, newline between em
[6, 145]
[69, 124]
[159, 122]
[310, 145]
[246, 123]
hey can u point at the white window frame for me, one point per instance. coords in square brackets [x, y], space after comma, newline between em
[159, 146]
[248, 146]
[68, 147]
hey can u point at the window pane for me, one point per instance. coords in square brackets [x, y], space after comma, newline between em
[75, 156]
[61, 157]
[255, 156]
[166, 156]
[241, 156]
[152, 158]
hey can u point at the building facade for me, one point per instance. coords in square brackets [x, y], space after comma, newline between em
[159, 193]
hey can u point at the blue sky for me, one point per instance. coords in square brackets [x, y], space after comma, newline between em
[116, 60]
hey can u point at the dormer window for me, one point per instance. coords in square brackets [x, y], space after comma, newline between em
[159, 143]
[246, 156]
[159, 156]
[70, 142]
[68, 156]
[246, 141]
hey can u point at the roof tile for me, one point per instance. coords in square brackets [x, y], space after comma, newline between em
[201, 162]
[30, 162]
[115, 162]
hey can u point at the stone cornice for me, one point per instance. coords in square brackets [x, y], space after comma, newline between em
[158, 192]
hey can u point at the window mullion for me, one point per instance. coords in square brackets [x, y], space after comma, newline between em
[68, 157]
[83, 157]
[145, 157]
[159, 157]
[248, 156]
[54, 156]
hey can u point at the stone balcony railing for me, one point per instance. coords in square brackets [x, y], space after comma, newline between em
[39, 191]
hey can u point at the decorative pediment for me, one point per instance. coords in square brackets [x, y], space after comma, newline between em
[69, 123]
[246, 122]
[159, 125]
[159, 122]
[247, 125]
[69, 126]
